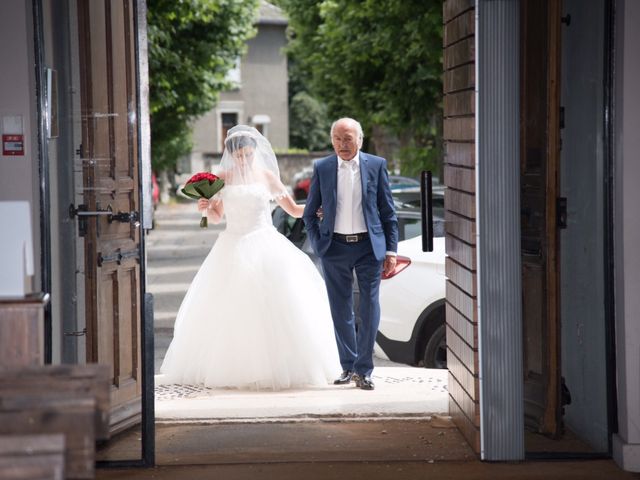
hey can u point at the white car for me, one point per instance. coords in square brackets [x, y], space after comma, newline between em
[412, 303]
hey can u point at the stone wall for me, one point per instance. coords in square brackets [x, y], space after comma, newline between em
[289, 163]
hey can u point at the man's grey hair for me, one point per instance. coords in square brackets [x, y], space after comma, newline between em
[358, 127]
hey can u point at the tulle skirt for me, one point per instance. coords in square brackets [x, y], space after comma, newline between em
[255, 317]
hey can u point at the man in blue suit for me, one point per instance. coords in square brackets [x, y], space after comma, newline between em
[358, 230]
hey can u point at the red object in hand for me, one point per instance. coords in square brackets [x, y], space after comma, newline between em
[203, 185]
[203, 176]
[402, 262]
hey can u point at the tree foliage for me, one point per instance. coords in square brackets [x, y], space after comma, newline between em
[192, 46]
[308, 123]
[379, 61]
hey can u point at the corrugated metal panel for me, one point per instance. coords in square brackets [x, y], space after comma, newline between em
[498, 229]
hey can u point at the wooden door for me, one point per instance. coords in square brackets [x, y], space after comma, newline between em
[110, 181]
[540, 116]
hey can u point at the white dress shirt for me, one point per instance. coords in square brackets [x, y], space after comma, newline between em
[349, 213]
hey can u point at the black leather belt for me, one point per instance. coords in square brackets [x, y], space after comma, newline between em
[352, 238]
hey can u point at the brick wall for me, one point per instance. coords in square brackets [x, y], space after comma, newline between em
[460, 206]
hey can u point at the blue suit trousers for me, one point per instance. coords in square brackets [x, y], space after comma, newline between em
[355, 345]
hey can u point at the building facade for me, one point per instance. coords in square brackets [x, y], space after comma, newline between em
[260, 98]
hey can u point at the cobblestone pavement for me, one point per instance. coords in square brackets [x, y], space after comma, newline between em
[433, 383]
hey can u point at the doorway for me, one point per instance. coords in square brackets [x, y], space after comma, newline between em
[564, 225]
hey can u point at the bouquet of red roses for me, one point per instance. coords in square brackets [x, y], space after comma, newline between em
[203, 185]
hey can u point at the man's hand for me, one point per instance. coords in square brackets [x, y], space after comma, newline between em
[389, 264]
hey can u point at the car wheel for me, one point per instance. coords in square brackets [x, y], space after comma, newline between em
[435, 352]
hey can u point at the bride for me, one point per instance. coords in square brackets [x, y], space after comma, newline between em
[256, 315]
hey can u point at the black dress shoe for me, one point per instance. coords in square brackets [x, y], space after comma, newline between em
[364, 383]
[345, 378]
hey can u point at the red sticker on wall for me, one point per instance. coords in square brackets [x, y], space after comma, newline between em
[12, 145]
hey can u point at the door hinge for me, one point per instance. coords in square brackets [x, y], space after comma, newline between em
[76, 334]
[561, 212]
[118, 256]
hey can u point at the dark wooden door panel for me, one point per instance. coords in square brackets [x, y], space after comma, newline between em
[540, 107]
[109, 144]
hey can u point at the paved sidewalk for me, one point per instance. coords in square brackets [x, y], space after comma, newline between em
[399, 392]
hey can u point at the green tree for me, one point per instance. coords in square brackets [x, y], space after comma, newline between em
[379, 61]
[192, 46]
[308, 123]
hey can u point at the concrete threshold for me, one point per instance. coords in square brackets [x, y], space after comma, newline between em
[400, 392]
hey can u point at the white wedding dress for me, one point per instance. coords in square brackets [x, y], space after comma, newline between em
[256, 315]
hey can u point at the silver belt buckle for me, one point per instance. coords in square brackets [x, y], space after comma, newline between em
[351, 238]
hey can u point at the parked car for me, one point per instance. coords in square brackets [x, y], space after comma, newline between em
[301, 183]
[412, 303]
[412, 323]
[407, 205]
[397, 182]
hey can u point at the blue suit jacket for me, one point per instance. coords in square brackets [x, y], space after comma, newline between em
[377, 203]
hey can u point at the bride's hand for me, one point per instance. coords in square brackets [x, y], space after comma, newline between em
[203, 204]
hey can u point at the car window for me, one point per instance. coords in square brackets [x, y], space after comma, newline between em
[407, 203]
[410, 228]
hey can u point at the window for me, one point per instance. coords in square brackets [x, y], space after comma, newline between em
[233, 75]
[261, 123]
[227, 120]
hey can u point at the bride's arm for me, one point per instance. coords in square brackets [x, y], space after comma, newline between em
[290, 206]
[214, 207]
[283, 198]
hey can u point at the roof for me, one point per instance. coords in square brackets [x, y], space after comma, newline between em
[269, 14]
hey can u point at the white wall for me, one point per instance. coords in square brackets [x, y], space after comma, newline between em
[19, 174]
[265, 82]
[626, 444]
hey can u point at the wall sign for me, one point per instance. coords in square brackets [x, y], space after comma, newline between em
[13, 145]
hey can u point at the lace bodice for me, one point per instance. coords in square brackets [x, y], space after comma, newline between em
[246, 207]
